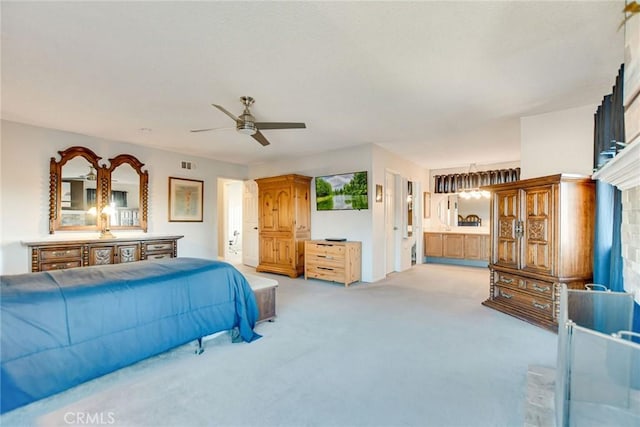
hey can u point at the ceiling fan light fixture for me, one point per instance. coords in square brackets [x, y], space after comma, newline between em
[91, 176]
[246, 128]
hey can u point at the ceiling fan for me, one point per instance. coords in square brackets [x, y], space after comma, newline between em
[247, 124]
[91, 176]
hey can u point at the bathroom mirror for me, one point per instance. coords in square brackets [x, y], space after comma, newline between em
[447, 210]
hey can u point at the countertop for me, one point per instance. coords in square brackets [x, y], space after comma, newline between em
[458, 230]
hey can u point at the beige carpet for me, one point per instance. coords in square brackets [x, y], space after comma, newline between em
[416, 349]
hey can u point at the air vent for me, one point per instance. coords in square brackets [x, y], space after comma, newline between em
[187, 165]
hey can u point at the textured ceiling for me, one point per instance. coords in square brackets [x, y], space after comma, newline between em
[441, 83]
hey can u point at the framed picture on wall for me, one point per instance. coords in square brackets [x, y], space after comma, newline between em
[186, 197]
[426, 205]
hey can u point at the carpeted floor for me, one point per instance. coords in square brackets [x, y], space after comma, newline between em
[416, 349]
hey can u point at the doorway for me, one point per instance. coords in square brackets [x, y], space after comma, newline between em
[230, 227]
[390, 226]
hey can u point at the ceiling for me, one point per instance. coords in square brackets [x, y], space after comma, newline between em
[443, 84]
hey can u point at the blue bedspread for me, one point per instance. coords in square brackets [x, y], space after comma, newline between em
[61, 328]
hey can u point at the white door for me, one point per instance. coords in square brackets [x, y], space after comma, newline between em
[250, 224]
[389, 223]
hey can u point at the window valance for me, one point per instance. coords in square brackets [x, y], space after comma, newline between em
[454, 183]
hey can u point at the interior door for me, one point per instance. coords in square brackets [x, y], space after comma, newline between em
[250, 244]
[389, 223]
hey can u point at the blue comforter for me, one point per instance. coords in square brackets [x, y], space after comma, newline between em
[61, 328]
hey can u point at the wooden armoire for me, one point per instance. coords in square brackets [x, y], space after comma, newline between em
[542, 233]
[284, 223]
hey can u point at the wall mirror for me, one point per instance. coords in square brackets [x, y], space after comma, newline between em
[80, 189]
[453, 210]
[447, 210]
[128, 185]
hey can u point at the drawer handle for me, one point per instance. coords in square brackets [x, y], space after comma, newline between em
[61, 253]
[325, 256]
[505, 295]
[158, 246]
[61, 266]
[505, 280]
[541, 288]
[159, 256]
[541, 306]
[325, 268]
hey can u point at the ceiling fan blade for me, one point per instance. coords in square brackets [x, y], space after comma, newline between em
[221, 108]
[280, 125]
[202, 130]
[260, 138]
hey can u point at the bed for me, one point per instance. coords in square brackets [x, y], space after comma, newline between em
[65, 327]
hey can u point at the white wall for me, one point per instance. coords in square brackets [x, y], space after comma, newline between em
[24, 191]
[557, 142]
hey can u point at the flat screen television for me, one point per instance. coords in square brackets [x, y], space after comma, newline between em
[342, 191]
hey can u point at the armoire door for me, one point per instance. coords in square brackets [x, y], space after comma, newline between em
[268, 213]
[284, 210]
[507, 233]
[284, 253]
[537, 239]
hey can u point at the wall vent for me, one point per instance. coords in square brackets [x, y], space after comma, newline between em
[187, 165]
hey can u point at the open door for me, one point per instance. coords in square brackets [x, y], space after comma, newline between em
[390, 227]
[250, 223]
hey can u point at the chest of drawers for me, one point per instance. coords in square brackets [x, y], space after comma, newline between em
[333, 261]
[61, 254]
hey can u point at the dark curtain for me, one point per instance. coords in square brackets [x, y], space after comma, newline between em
[608, 132]
[607, 259]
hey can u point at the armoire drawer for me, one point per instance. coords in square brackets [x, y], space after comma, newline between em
[535, 287]
[539, 304]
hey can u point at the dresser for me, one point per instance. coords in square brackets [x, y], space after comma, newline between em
[542, 233]
[333, 261]
[284, 223]
[60, 254]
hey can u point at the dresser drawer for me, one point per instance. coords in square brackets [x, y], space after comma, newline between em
[325, 260]
[60, 253]
[159, 246]
[159, 256]
[325, 273]
[60, 265]
[541, 305]
[326, 250]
